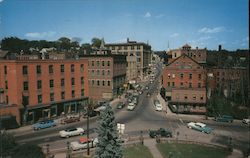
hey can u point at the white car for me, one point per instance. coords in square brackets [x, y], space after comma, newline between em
[82, 143]
[131, 106]
[199, 127]
[71, 132]
[246, 121]
[158, 106]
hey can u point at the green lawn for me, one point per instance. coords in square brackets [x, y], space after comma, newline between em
[191, 151]
[137, 151]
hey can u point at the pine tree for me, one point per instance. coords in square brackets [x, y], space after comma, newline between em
[109, 143]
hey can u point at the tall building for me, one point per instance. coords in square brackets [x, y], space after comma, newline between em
[139, 51]
[106, 75]
[43, 88]
[184, 81]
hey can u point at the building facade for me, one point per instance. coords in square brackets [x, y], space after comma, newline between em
[184, 82]
[106, 75]
[44, 88]
[139, 51]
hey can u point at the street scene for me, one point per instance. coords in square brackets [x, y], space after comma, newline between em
[66, 92]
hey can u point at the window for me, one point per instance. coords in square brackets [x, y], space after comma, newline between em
[73, 94]
[39, 84]
[173, 75]
[93, 63]
[98, 83]
[108, 72]
[103, 72]
[38, 69]
[173, 84]
[194, 97]
[199, 85]
[138, 54]
[82, 68]
[93, 82]
[7, 99]
[52, 97]
[25, 70]
[132, 47]
[190, 85]
[181, 84]
[63, 95]
[6, 84]
[108, 83]
[113, 47]
[138, 47]
[25, 85]
[201, 98]
[82, 80]
[98, 63]
[199, 76]
[181, 76]
[185, 97]
[108, 63]
[138, 59]
[82, 92]
[169, 76]
[51, 69]
[103, 83]
[5, 69]
[72, 68]
[51, 83]
[174, 54]
[168, 84]
[125, 47]
[62, 82]
[39, 98]
[190, 76]
[72, 81]
[98, 72]
[103, 64]
[62, 68]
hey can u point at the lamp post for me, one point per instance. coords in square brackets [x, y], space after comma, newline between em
[88, 108]
[68, 151]
[47, 150]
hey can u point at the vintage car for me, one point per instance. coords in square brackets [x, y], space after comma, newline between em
[44, 124]
[224, 118]
[161, 132]
[199, 127]
[69, 132]
[70, 119]
[157, 104]
[82, 143]
[120, 105]
[131, 106]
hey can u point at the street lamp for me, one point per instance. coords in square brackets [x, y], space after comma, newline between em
[88, 108]
[68, 151]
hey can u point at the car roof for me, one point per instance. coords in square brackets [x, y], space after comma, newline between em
[200, 124]
[84, 139]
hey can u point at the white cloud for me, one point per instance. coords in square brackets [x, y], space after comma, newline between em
[1, 1]
[147, 15]
[174, 35]
[211, 30]
[159, 16]
[40, 34]
[200, 41]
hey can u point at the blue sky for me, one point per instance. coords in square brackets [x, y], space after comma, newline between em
[202, 23]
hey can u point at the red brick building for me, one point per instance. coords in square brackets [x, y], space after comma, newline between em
[106, 75]
[48, 87]
[184, 81]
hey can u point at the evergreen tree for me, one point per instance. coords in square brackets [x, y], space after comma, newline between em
[109, 143]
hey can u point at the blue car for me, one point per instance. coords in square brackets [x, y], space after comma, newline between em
[44, 124]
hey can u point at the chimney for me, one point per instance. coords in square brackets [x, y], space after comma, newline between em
[127, 40]
[219, 49]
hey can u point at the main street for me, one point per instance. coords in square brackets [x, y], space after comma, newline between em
[143, 118]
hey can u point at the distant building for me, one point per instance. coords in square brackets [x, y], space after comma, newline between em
[43, 88]
[106, 75]
[199, 55]
[141, 51]
[184, 81]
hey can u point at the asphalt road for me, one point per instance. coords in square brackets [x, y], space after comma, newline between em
[143, 118]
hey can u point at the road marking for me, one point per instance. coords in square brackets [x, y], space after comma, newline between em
[181, 121]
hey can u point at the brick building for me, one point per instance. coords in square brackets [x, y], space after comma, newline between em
[48, 87]
[139, 51]
[106, 75]
[184, 81]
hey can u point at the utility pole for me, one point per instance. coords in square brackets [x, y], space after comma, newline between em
[88, 108]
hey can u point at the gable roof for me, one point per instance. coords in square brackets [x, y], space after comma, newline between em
[185, 56]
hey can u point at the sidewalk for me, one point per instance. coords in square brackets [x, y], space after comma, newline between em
[151, 144]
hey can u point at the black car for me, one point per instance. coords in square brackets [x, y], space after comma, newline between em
[120, 105]
[160, 132]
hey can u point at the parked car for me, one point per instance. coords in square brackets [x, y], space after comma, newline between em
[199, 127]
[70, 119]
[224, 118]
[92, 113]
[82, 143]
[131, 106]
[160, 132]
[69, 132]
[158, 106]
[246, 121]
[120, 105]
[44, 124]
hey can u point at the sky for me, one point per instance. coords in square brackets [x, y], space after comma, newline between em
[164, 24]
